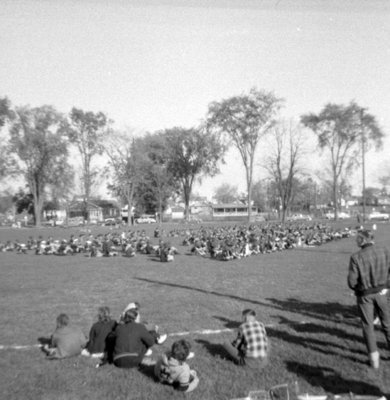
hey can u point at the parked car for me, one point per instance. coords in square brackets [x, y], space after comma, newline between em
[145, 219]
[378, 216]
[299, 217]
[340, 215]
[110, 221]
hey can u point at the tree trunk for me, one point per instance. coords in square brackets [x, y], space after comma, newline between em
[249, 170]
[335, 198]
[187, 195]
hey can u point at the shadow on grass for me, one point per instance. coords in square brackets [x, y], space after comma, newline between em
[231, 296]
[44, 340]
[148, 371]
[214, 349]
[228, 323]
[331, 311]
[311, 327]
[319, 250]
[320, 346]
[330, 380]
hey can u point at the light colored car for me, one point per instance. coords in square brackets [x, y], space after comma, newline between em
[340, 215]
[299, 217]
[145, 220]
[378, 216]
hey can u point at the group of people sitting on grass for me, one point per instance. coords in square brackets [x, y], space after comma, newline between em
[110, 244]
[227, 243]
[127, 343]
[217, 242]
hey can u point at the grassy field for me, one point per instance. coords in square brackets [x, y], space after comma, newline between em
[301, 295]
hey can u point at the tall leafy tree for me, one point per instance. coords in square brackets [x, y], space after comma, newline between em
[6, 115]
[385, 182]
[245, 119]
[158, 183]
[6, 112]
[192, 153]
[226, 193]
[343, 131]
[38, 143]
[86, 131]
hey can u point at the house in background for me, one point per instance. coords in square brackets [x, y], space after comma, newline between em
[97, 210]
[232, 212]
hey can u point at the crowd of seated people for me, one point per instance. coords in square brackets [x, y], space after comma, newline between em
[217, 242]
[234, 242]
[124, 243]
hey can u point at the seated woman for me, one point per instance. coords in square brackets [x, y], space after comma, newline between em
[99, 333]
[131, 340]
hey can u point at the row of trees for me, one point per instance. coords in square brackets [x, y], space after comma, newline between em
[152, 168]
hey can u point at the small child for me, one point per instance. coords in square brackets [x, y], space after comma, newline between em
[98, 334]
[172, 369]
[251, 344]
[66, 341]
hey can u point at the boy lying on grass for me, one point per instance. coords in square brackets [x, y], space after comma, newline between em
[66, 341]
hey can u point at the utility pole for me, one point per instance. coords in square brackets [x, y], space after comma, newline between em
[363, 164]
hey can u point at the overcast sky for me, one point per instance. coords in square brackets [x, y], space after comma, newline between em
[157, 64]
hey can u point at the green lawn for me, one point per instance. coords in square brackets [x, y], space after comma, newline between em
[301, 295]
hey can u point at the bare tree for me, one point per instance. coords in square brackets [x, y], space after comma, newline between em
[123, 163]
[86, 131]
[283, 163]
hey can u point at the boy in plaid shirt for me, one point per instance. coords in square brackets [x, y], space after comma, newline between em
[251, 344]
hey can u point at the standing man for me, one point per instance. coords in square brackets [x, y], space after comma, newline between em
[369, 278]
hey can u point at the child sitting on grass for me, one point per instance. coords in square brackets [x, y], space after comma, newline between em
[98, 334]
[172, 369]
[66, 341]
[251, 344]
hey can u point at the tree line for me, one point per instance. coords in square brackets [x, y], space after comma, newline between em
[149, 169]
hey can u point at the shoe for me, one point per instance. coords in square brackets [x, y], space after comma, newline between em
[148, 353]
[162, 338]
[96, 355]
[190, 355]
[85, 353]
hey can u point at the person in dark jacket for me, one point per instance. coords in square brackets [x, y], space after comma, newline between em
[132, 340]
[98, 334]
[369, 278]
